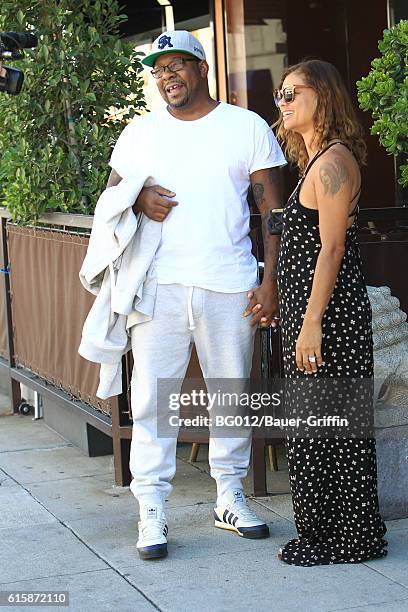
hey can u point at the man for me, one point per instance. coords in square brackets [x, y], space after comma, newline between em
[206, 153]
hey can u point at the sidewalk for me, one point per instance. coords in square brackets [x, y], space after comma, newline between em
[65, 526]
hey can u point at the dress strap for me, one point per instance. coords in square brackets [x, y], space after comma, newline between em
[319, 154]
[355, 209]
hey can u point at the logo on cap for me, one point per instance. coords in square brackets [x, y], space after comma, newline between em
[164, 41]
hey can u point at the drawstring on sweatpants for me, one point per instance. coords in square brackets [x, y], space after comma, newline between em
[191, 325]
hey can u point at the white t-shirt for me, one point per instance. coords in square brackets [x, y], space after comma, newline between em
[207, 163]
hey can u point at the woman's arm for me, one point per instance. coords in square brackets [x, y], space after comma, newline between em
[333, 183]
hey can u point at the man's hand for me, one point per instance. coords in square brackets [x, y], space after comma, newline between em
[263, 305]
[154, 202]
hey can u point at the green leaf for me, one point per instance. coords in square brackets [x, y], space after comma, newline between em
[80, 62]
[44, 52]
[384, 92]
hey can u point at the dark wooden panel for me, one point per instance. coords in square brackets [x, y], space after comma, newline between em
[346, 33]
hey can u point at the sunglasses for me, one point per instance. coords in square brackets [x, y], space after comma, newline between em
[287, 93]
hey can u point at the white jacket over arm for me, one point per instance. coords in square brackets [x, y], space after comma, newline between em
[118, 269]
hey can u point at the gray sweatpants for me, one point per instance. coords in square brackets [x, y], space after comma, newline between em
[224, 342]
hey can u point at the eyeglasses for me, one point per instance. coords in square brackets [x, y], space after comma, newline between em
[287, 93]
[174, 66]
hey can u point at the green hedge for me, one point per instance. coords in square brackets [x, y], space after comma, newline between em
[82, 85]
[384, 92]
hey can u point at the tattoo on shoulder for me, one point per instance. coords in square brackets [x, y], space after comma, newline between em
[258, 191]
[333, 175]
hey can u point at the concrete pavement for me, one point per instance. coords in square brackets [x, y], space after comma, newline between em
[65, 526]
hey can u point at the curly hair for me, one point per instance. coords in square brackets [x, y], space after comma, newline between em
[334, 118]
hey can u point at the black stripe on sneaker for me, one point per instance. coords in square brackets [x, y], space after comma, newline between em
[224, 516]
[234, 521]
[231, 517]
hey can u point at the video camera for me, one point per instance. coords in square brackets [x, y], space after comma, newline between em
[11, 45]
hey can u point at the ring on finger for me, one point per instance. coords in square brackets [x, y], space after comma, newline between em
[311, 359]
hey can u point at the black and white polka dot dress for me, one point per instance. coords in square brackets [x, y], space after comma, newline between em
[333, 479]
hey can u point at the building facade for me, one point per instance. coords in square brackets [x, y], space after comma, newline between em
[250, 42]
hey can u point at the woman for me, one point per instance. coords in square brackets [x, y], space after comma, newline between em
[326, 321]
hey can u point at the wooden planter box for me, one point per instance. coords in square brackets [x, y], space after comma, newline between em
[43, 308]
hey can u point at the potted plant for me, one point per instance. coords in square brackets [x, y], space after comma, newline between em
[384, 92]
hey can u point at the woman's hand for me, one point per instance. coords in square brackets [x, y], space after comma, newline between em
[308, 347]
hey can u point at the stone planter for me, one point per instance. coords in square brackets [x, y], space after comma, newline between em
[390, 330]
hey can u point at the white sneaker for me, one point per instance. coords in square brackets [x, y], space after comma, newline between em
[234, 514]
[152, 542]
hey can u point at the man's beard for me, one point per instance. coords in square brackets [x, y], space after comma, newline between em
[183, 102]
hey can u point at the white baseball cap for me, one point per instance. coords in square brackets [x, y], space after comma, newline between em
[174, 42]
